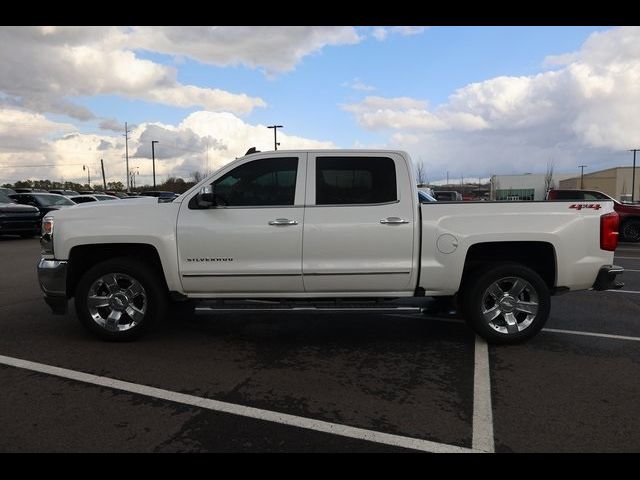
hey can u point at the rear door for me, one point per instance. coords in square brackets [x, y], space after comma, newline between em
[359, 224]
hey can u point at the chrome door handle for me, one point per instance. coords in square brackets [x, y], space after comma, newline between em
[283, 221]
[393, 220]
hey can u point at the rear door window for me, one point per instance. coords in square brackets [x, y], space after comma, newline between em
[355, 180]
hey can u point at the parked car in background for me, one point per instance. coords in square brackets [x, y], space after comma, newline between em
[7, 191]
[45, 202]
[92, 198]
[16, 219]
[114, 193]
[66, 193]
[29, 190]
[448, 196]
[629, 213]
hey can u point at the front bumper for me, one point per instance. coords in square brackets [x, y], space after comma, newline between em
[52, 275]
[606, 279]
[20, 225]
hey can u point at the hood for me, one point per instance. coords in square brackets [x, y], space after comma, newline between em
[110, 211]
[17, 208]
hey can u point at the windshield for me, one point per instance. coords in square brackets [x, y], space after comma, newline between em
[4, 198]
[49, 200]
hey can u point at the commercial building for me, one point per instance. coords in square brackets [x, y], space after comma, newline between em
[615, 182]
[527, 186]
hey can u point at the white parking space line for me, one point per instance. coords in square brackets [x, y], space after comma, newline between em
[630, 270]
[591, 334]
[233, 409]
[482, 413]
[622, 291]
[627, 258]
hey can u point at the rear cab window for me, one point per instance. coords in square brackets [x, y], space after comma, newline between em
[355, 180]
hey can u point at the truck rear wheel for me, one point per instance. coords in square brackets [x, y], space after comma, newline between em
[119, 299]
[509, 303]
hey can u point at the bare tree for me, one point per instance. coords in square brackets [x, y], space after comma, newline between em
[197, 176]
[548, 176]
[421, 172]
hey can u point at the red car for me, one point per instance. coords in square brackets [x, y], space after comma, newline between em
[629, 212]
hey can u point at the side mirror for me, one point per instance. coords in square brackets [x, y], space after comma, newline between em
[206, 198]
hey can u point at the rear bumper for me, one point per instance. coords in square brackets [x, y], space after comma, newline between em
[606, 279]
[52, 275]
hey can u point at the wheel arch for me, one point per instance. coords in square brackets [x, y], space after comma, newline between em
[83, 257]
[537, 255]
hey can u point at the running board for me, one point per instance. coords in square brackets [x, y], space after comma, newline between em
[309, 309]
[254, 305]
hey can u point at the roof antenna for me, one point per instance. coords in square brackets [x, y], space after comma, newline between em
[252, 150]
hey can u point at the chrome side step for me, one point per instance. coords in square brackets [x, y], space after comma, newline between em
[309, 309]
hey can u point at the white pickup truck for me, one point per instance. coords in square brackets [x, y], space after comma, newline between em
[307, 229]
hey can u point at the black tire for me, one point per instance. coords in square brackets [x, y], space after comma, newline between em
[477, 299]
[155, 297]
[630, 231]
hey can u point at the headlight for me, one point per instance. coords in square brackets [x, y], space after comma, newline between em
[46, 240]
[47, 226]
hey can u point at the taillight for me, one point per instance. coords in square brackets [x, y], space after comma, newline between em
[609, 224]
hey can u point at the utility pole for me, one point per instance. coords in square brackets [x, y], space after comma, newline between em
[275, 136]
[104, 180]
[633, 175]
[581, 167]
[84, 167]
[153, 157]
[126, 150]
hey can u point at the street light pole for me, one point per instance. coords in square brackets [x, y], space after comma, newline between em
[581, 167]
[84, 167]
[275, 137]
[153, 157]
[633, 176]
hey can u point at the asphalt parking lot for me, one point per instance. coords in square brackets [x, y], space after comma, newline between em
[323, 382]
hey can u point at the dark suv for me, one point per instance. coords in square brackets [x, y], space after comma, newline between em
[45, 202]
[629, 213]
[23, 220]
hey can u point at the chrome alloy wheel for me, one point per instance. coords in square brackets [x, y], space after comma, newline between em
[510, 305]
[117, 302]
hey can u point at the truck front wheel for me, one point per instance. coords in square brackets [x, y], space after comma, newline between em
[119, 299]
[507, 304]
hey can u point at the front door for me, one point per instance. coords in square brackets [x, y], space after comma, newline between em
[251, 242]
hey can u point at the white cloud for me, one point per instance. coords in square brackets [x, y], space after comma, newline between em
[585, 110]
[44, 68]
[276, 49]
[381, 33]
[359, 85]
[203, 141]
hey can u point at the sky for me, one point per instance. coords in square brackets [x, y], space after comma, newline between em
[464, 101]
